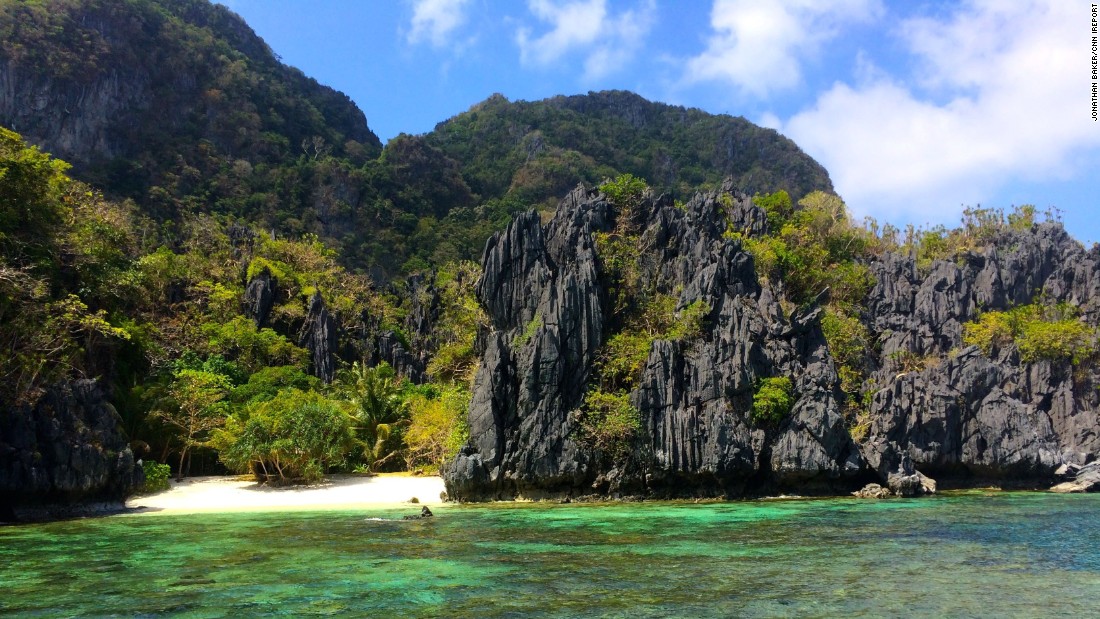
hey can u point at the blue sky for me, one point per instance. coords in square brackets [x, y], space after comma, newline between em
[916, 108]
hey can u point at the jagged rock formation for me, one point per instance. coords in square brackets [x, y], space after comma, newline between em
[1078, 479]
[259, 297]
[68, 447]
[938, 409]
[319, 336]
[392, 351]
[966, 417]
[548, 305]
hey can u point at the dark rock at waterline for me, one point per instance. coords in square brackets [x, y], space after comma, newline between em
[424, 513]
[958, 413]
[1084, 479]
[67, 448]
[907, 481]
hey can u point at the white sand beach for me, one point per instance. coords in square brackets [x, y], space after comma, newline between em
[224, 494]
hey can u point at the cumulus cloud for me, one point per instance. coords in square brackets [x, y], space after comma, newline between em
[607, 40]
[760, 46]
[998, 94]
[434, 21]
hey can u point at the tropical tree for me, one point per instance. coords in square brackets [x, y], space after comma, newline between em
[195, 406]
[298, 435]
[378, 409]
[437, 427]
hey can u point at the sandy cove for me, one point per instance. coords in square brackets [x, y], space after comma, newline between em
[227, 494]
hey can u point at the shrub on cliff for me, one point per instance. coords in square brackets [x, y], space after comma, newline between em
[1051, 332]
[772, 400]
[607, 422]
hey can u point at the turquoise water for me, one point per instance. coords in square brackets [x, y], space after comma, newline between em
[973, 554]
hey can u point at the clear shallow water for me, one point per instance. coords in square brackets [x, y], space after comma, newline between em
[973, 554]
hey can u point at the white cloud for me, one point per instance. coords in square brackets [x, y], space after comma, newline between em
[608, 41]
[999, 94]
[770, 120]
[759, 46]
[435, 20]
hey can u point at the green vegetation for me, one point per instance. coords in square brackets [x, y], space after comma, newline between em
[979, 227]
[455, 361]
[811, 247]
[437, 427]
[377, 408]
[49, 224]
[1040, 331]
[90, 287]
[529, 331]
[849, 341]
[298, 436]
[607, 423]
[156, 477]
[772, 401]
[194, 407]
[566, 140]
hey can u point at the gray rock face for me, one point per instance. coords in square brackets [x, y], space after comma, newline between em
[259, 297]
[319, 337]
[962, 416]
[1084, 479]
[549, 311]
[68, 447]
[938, 409]
[392, 351]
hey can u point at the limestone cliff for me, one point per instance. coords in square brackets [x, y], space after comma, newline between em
[693, 397]
[67, 448]
[962, 416]
[965, 415]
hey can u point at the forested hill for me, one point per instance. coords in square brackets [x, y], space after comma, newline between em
[537, 151]
[161, 100]
[179, 106]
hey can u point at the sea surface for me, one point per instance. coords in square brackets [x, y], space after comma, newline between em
[972, 554]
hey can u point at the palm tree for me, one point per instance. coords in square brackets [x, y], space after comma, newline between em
[377, 408]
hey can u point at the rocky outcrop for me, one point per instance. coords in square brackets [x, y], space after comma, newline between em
[68, 448]
[964, 417]
[907, 481]
[259, 297]
[936, 409]
[319, 336]
[873, 491]
[549, 306]
[1080, 479]
[390, 350]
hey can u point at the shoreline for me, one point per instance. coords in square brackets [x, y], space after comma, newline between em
[241, 494]
[238, 494]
